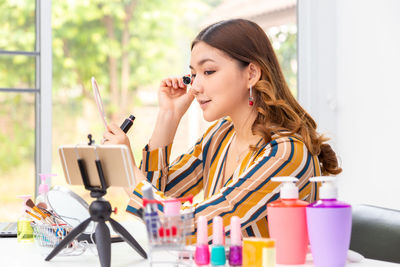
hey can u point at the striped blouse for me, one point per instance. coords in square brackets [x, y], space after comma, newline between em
[245, 194]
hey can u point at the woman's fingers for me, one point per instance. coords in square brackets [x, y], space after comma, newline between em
[109, 138]
[108, 135]
[115, 135]
[113, 128]
[173, 82]
[166, 82]
[179, 83]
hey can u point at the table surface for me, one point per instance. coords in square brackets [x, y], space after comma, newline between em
[16, 254]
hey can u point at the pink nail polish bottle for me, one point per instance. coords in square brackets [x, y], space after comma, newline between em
[202, 253]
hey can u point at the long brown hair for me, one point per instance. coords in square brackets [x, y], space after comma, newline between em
[278, 112]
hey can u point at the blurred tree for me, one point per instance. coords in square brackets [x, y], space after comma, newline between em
[120, 42]
[17, 33]
[284, 41]
[125, 44]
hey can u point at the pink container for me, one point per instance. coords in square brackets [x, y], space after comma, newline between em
[288, 227]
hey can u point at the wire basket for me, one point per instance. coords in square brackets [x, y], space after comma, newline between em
[169, 237]
[47, 237]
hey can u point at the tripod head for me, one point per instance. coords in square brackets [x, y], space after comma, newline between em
[91, 141]
[95, 191]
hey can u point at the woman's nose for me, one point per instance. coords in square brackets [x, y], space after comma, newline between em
[196, 87]
[194, 91]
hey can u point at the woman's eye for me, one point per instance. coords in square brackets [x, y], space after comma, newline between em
[193, 75]
[209, 72]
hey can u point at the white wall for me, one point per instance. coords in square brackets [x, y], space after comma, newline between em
[349, 80]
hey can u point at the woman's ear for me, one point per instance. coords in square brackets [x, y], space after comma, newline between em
[254, 74]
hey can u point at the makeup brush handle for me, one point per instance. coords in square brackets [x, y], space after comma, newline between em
[33, 215]
[40, 212]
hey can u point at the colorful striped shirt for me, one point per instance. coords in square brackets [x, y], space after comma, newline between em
[245, 194]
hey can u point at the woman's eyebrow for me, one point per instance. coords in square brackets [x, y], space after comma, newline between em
[201, 62]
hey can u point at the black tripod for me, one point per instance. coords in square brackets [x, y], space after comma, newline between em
[100, 211]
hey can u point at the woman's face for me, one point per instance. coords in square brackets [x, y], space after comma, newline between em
[220, 85]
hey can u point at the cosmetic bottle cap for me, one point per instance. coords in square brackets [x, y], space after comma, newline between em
[44, 187]
[288, 189]
[172, 208]
[218, 231]
[147, 191]
[328, 188]
[236, 233]
[202, 233]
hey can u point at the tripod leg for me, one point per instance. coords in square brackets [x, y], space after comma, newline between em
[103, 243]
[127, 237]
[74, 233]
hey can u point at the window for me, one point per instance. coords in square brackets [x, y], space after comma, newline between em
[25, 100]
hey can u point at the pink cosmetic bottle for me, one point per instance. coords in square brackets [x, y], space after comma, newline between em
[329, 226]
[172, 217]
[202, 252]
[287, 224]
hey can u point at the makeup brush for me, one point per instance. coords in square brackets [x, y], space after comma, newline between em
[48, 216]
[33, 215]
[46, 212]
[52, 216]
[32, 205]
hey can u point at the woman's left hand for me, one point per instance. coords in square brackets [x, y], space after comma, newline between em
[115, 136]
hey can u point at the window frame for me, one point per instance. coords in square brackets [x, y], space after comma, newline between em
[42, 90]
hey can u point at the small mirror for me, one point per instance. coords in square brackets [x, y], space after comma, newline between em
[69, 206]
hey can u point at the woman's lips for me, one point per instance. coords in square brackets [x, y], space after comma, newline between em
[203, 103]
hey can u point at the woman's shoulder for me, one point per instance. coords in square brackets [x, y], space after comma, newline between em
[294, 138]
[285, 147]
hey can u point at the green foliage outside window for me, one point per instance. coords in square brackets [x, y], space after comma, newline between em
[126, 44]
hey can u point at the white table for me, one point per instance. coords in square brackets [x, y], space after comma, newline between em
[14, 254]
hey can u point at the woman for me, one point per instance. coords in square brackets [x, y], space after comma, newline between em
[260, 132]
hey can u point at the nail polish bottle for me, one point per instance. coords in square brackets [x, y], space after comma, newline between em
[218, 257]
[235, 250]
[202, 252]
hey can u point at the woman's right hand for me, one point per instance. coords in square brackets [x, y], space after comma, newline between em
[174, 97]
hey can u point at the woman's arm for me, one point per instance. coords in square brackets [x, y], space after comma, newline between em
[174, 101]
[164, 130]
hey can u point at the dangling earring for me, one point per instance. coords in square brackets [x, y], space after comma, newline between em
[251, 99]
